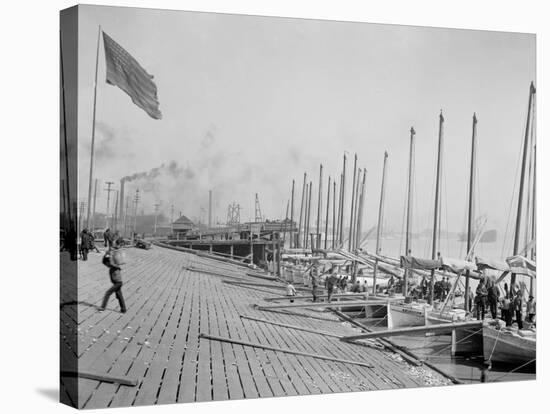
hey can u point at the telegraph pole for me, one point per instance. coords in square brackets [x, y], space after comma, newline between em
[126, 215]
[108, 189]
[93, 210]
[136, 202]
[172, 217]
[156, 215]
[115, 217]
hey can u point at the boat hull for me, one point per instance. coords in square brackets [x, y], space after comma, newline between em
[404, 316]
[504, 347]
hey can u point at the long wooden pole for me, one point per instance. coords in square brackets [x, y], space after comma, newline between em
[298, 240]
[380, 221]
[409, 210]
[318, 304]
[93, 134]
[333, 212]
[284, 350]
[440, 328]
[328, 208]
[471, 212]
[436, 203]
[291, 234]
[288, 326]
[319, 209]
[352, 203]
[532, 92]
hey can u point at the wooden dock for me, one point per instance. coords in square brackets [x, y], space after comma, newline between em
[158, 341]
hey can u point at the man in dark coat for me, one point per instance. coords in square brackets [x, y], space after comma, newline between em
[85, 243]
[481, 300]
[518, 308]
[493, 297]
[108, 238]
[116, 279]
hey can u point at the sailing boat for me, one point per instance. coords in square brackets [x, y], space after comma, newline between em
[507, 345]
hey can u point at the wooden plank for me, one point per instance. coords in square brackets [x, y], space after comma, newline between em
[439, 328]
[288, 351]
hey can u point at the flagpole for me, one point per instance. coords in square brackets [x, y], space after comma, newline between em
[93, 133]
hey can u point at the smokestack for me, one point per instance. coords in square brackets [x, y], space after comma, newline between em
[210, 209]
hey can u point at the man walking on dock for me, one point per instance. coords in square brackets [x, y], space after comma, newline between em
[86, 243]
[116, 280]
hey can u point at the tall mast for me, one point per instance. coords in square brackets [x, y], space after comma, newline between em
[360, 211]
[341, 235]
[298, 240]
[409, 210]
[339, 223]
[380, 219]
[291, 235]
[532, 92]
[356, 209]
[328, 208]
[333, 212]
[534, 212]
[352, 204]
[436, 204]
[306, 235]
[319, 212]
[471, 213]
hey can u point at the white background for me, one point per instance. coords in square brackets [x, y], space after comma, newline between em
[29, 202]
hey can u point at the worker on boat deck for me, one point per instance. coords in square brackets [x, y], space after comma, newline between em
[492, 297]
[116, 280]
[290, 291]
[344, 285]
[505, 310]
[365, 287]
[518, 309]
[531, 309]
[470, 298]
[481, 300]
[424, 287]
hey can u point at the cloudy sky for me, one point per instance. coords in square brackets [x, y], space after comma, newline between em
[250, 103]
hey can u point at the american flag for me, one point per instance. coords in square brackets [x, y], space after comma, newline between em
[126, 73]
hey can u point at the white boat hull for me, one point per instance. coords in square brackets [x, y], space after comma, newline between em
[504, 347]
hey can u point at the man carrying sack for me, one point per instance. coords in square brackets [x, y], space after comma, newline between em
[113, 259]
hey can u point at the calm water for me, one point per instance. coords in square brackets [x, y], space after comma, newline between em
[437, 350]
